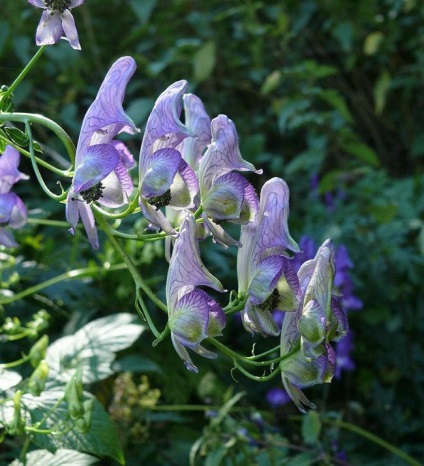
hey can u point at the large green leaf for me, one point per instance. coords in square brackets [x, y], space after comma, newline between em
[93, 348]
[62, 457]
[8, 379]
[101, 439]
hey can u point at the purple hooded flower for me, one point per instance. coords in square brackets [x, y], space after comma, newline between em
[101, 162]
[13, 212]
[57, 21]
[317, 321]
[261, 259]
[193, 314]
[225, 194]
[166, 179]
[277, 397]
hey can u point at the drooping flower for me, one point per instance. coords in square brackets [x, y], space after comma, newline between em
[101, 162]
[261, 260]
[56, 21]
[225, 195]
[13, 213]
[317, 321]
[193, 314]
[165, 178]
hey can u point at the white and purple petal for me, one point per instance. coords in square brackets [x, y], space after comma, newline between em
[70, 30]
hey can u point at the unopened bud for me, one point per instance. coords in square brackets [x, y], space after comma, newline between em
[38, 378]
[38, 351]
[73, 396]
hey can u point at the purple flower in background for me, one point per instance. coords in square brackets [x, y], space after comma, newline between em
[166, 179]
[56, 21]
[343, 356]
[101, 162]
[262, 258]
[277, 397]
[225, 195]
[193, 314]
[13, 213]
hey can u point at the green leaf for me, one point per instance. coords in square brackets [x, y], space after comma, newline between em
[372, 43]
[93, 348]
[8, 379]
[204, 61]
[100, 439]
[17, 136]
[62, 457]
[362, 152]
[311, 427]
[380, 91]
[143, 10]
[272, 81]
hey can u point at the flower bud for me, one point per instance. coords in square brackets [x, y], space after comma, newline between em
[17, 424]
[38, 351]
[38, 378]
[73, 396]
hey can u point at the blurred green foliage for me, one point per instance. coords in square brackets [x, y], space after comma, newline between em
[318, 89]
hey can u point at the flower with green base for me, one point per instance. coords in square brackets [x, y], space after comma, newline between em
[317, 321]
[165, 178]
[57, 21]
[102, 162]
[262, 257]
[193, 314]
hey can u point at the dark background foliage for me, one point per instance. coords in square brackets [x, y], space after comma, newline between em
[319, 90]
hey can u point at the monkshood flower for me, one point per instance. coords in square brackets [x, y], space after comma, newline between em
[225, 194]
[56, 21]
[101, 162]
[261, 261]
[317, 321]
[198, 121]
[13, 213]
[193, 314]
[166, 179]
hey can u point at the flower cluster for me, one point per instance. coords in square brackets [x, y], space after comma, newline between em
[13, 212]
[189, 186]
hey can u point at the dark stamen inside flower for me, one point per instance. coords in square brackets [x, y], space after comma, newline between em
[93, 194]
[57, 6]
[271, 302]
[161, 201]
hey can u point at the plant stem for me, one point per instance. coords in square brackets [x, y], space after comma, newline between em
[25, 71]
[64, 276]
[138, 279]
[42, 120]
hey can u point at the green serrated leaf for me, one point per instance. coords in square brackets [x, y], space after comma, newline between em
[311, 428]
[101, 439]
[92, 348]
[204, 61]
[17, 136]
[62, 457]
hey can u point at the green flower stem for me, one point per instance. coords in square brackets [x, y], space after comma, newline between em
[139, 281]
[40, 180]
[42, 120]
[53, 281]
[47, 222]
[248, 360]
[256, 378]
[8, 365]
[25, 71]
[195, 408]
[144, 313]
[41, 162]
